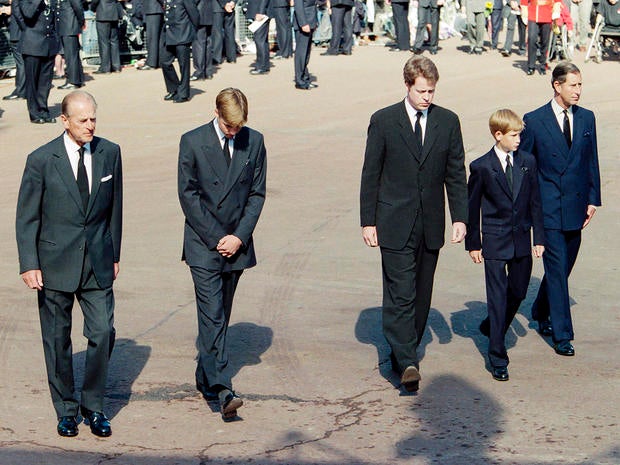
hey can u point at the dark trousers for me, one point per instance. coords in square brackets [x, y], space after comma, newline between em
[303, 46]
[167, 54]
[513, 20]
[201, 52]
[506, 283]
[214, 298]
[536, 31]
[497, 19]
[20, 74]
[427, 15]
[284, 31]
[408, 276]
[154, 24]
[261, 40]
[55, 313]
[400, 13]
[553, 300]
[223, 37]
[39, 72]
[342, 30]
[74, 70]
[109, 50]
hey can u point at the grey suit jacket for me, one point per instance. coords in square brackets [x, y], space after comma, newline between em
[400, 181]
[218, 200]
[53, 230]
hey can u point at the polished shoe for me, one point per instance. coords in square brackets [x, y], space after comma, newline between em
[544, 328]
[229, 403]
[12, 97]
[410, 379]
[169, 96]
[118, 70]
[542, 71]
[98, 422]
[145, 68]
[256, 72]
[302, 86]
[193, 77]
[500, 373]
[49, 120]
[505, 53]
[38, 121]
[67, 427]
[530, 71]
[312, 85]
[433, 51]
[181, 100]
[416, 51]
[345, 53]
[69, 86]
[100, 71]
[564, 348]
[484, 327]
[329, 53]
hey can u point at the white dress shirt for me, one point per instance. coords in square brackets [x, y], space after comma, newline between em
[222, 137]
[558, 111]
[74, 157]
[411, 112]
[501, 155]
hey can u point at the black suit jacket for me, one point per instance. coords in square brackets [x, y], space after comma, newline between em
[400, 182]
[70, 18]
[305, 13]
[181, 19]
[153, 7]
[205, 12]
[53, 230]
[107, 10]
[39, 38]
[16, 22]
[218, 200]
[507, 217]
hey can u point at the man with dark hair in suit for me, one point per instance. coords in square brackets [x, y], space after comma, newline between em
[39, 45]
[414, 152]
[107, 15]
[222, 170]
[154, 21]
[201, 47]
[342, 28]
[68, 228]
[70, 25]
[223, 33]
[180, 22]
[16, 26]
[562, 137]
[305, 23]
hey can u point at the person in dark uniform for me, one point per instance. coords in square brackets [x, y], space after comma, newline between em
[180, 23]
[284, 30]
[107, 15]
[201, 47]
[39, 46]
[70, 24]
[400, 12]
[16, 26]
[257, 11]
[223, 34]
[154, 20]
[305, 24]
[342, 28]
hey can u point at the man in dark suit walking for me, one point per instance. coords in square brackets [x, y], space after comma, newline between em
[70, 25]
[154, 21]
[414, 150]
[16, 26]
[107, 15]
[305, 23]
[180, 23]
[562, 137]
[68, 227]
[222, 169]
[39, 46]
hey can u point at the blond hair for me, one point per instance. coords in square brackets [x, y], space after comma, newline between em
[232, 107]
[504, 121]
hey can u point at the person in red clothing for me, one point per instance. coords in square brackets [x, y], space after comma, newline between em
[539, 14]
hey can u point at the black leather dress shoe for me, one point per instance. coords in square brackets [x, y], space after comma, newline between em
[67, 427]
[328, 53]
[145, 68]
[410, 379]
[38, 121]
[416, 51]
[169, 96]
[229, 405]
[302, 86]
[505, 53]
[530, 71]
[564, 348]
[181, 100]
[49, 120]
[500, 373]
[544, 328]
[542, 71]
[12, 97]
[312, 85]
[69, 86]
[98, 422]
[193, 77]
[256, 72]
[100, 71]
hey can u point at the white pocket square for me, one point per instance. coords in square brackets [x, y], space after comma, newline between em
[106, 178]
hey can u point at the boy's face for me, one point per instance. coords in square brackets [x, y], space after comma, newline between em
[508, 142]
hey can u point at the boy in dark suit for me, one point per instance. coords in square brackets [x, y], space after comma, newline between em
[503, 189]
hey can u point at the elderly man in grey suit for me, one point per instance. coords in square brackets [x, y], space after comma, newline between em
[68, 228]
[221, 182]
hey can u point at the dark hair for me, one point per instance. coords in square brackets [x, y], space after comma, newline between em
[562, 69]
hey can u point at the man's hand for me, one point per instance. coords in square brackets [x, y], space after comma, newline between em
[33, 279]
[117, 268]
[229, 245]
[229, 7]
[258, 17]
[306, 28]
[590, 214]
[369, 234]
[458, 232]
[538, 250]
[476, 256]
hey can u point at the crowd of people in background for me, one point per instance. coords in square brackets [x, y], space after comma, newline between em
[44, 35]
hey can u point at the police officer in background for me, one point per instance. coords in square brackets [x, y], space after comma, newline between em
[70, 24]
[154, 20]
[107, 15]
[201, 47]
[16, 26]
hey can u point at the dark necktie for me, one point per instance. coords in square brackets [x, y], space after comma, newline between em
[226, 151]
[509, 172]
[82, 179]
[566, 129]
[418, 129]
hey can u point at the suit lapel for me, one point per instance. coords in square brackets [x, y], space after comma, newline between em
[430, 135]
[239, 158]
[551, 123]
[63, 167]
[97, 162]
[517, 173]
[213, 153]
[406, 131]
[578, 126]
[498, 173]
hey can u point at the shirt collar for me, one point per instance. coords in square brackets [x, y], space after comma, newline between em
[412, 111]
[558, 110]
[72, 146]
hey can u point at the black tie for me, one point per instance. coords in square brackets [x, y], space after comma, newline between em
[566, 129]
[418, 129]
[226, 151]
[509, 172]
[82, 179]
